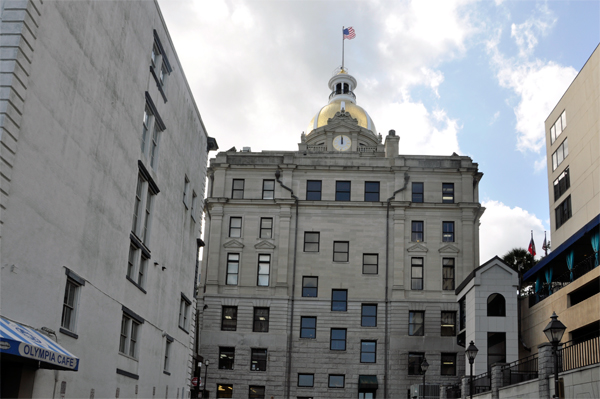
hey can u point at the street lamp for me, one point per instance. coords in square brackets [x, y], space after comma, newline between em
[471, 353]
[554, 332]
[424, 367]
[204, 382]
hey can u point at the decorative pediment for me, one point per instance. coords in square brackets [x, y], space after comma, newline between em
[417, 248]
[449, 249]
[342, 116]
[264, 245]
[233, 244]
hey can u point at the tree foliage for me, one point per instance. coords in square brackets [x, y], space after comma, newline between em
[519, 256]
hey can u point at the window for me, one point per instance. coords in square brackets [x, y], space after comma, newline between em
[268, 191]
[233, 269]
[448, 324]
[266, 228]
[368, 349]
[370, 263]
[154, 147]
[417, 231]
[168, 342]
[229, 318]
[235, 227]
[152, 127]
[337, 340]
[313, 190]
[130, 324]
[186, 191]
[368, 315]
[342, 191]
[224, 391]
[311, 241]
[448, 273]
[417, 192]
[226, 357]
[463, 313]
[448, 231]
[308, 327]
[160, 62]
[71, 299]
[261, 320]
[447, 193]
[414, 363]
[306, 380]
[237, 189]
[137, 264]
[448, 366]
[496, 342]
[558, 127]
[256, 392]
[562, 184]
[563, 212]
[336, 381]
[496, 305]
[147, 123]
[264, 264]
[310, 286]
[560, 154]
[184, 312]
[340, 251]
[416, 278]
[372, 191]
[258, 359]
[194, 205]
[416, 323]
[145, 191]
[339, 300]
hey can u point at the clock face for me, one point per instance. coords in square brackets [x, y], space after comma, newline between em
[342, 143]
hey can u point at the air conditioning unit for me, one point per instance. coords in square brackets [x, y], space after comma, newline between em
[431, 391]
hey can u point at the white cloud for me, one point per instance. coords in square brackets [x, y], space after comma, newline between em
[525, 34]
[495, 118]
[540, 164]
[504, 228]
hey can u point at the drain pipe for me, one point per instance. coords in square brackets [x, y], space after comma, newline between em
[291, 329]
[387, 277]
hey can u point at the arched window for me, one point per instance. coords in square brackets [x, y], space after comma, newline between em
[496, 305]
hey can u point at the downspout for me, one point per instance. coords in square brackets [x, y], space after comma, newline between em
[291, 328]
[387, 277]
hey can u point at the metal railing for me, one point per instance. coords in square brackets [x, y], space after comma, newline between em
[363, 148]
[574, 355]
[336, 93]
[524, 369]
[482, 383]
[453, 392]
[316, 148]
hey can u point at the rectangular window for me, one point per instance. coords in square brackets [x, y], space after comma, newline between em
[186, 191]
[147, 123]
[141, 280]
[306, 380]
[224, 391]
[229, 318]
[266, 228]
[235, 227]
[448, 231]
[370, 263]
[368, 350]
[313, 190]
[184, 313]
[368, 315]
[496, 345]
[448, 324]
[414, 363]
[167, 354]
[256, 392]
[447, 193]
[129, 336]
[558, 127]
[237, 189]
[69, 313]
[233, 269]
[258, 359]
[342, 191]
[560, 154]
[226, 357]
[340, 251]
[261, 320]
[417, 231]
[416, 277]
[264, 266]
[268, 191]
[417, 192]
[339, 300]
[137, 208]
[311, 241]
[562, 184]
[194, 205]
[336, 381]
[148, 210]
[448, 273]
[416, 323]
[131, 261]
[308, 327]
[448, 366]
[154, 146]
[371, 191]
[337, 340]
[310, 286]
[563, 212]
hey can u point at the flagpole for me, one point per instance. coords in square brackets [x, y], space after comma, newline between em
[342, 48]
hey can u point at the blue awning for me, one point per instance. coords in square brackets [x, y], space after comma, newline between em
[19, 340]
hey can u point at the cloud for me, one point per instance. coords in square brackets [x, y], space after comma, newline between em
[504, 228]
[495, 118]
[540, 164]
[525, 34]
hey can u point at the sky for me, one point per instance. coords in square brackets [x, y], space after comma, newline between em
[478, 78]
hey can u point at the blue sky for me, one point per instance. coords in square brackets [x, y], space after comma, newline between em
[474, 77]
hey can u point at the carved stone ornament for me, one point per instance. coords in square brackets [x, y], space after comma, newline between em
[303, 138]
[343, 116]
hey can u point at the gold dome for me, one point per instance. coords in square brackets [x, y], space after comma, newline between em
[328, 111]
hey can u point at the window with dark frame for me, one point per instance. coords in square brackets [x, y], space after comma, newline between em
[368, 350]
[224, 390]
[235, 227]
[313, 190]
[448, 366]
[337, 341]
[416, 273]
[416, 323]
[417, 192]
[448, 324]
[417, 231]
[229, 318]
[311, 241]
[342, 191]
[496, 305]
[266, 228]
[560, 154]
[261, 320]
[339, 300]
[310, 286]
[561, 184]
[186, 191]
[368, 315]
[340, 251]
[306, 380]
[370, 263]
[233, 269]
[563, 212]
[496, 345]
[237, 189]
[308, 327]
[414, 363]
[258, 359]
[447, 231]
[336, 381]
[371, 191]
[256, 392]
[447, 193]
[264, 266]
[168, 343]
[129, 336]
[69, 313]
[448, 273]
[268, 190]
[226, 357]
[184, 312]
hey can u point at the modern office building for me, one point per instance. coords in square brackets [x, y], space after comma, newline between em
[331, 271]
[104, 158]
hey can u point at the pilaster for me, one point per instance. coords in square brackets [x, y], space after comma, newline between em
[545, 370]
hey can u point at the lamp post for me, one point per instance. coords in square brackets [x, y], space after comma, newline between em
[424, 367]
[204, 382]
[554, 332]
[471, 353]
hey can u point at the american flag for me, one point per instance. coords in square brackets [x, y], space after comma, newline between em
[349, 33]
